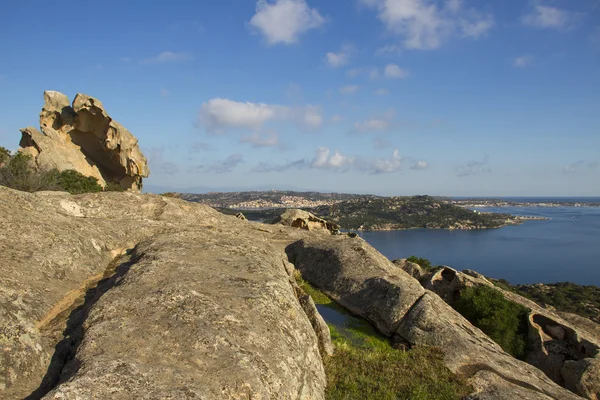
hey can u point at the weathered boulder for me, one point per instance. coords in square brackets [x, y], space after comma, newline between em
[366, 283]
[305, 220]
[566, 352]
[85, 138]
[358, 277]
[411, 268]
[200, 306]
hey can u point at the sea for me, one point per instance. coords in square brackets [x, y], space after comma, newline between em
[565, 248]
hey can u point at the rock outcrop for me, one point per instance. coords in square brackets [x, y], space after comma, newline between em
[411, 268]
[123, 295]
[305, 220]
[83, 137]
[366, 283]
[568, 353]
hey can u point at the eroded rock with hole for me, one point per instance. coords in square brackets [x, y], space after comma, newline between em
[83, 137]
[566, 352]
[305, 220]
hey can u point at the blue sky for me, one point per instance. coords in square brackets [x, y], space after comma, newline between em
[393, 97]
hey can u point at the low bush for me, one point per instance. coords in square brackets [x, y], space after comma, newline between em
[16, 173]
[423, 262]
[76, 183]
[504, 321]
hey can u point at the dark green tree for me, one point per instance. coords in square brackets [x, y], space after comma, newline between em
[502, 320]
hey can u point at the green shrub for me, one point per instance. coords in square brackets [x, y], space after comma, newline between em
[4, 155]
[423, 262]
[113, 187]
[76, 183]
[16, 172]
[502, 320]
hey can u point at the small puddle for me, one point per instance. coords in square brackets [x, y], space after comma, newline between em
[333, 316]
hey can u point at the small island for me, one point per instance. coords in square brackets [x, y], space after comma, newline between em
[359, 212]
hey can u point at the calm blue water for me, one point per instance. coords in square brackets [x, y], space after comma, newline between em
[565, 248]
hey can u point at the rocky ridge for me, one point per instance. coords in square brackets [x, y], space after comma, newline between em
[112, 295]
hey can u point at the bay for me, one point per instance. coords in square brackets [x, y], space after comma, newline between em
[565, 248]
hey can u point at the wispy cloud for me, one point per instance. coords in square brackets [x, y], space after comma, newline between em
[269, 139]
[474, 168]
[164, 93]
[424, 25]
[283, 21]
[545, 16]
[349, 89]
[336, 161]
[382, 92]
[419, 165]
[523, 61]
[380, 123]
[395, 72]
[341, 58]
[158, 162]
[389, 49]
[220, 167]
[380, 143]
[570, 168]
[166, 57]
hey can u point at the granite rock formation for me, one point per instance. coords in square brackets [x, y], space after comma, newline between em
[358, 277]
[568, 352]
[83, 137]
[305, 220]
[115, 295]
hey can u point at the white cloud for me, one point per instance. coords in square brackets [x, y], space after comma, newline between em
[270, 139]
[395, 72]
[340, 58]
[419, 165]
[382, 92]
[218, 114]
[283, 21]
[523, 61]
[542, 16]
[324, 159]
[335, 161]
[380, 166]
[164, 93]
[165, 57]
[349, 89]
[336, 118]
[423, 24]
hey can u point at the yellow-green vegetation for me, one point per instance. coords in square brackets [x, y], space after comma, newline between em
[423, 262]
[366, 366]
[17, 172]
[504, 321]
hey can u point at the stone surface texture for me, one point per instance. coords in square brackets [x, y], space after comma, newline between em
[83, 137]
[362, 280]
[149, 297]
[305, 220]
[564, 346]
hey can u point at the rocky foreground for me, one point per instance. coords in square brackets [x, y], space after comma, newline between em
[123, 295]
